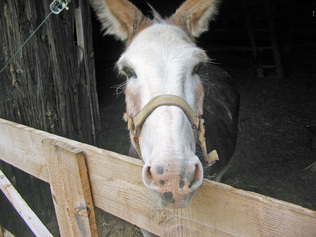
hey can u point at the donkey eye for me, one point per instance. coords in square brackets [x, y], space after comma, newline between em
[198, 68]
[129, 72]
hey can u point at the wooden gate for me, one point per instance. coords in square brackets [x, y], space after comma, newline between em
[117, 188]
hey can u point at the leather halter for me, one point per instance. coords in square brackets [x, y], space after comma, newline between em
[135, 123]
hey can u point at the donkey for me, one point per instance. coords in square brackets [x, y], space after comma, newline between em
[167, 78]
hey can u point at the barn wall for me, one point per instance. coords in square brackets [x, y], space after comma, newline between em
[50, 85]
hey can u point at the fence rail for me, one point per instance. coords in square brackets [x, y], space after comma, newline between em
[117, 188]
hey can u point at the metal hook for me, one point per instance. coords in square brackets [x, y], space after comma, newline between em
[58, 5]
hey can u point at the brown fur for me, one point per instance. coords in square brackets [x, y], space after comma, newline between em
[194, 15]
[199, 97]
[145, 23]
[124, 20]
[119, 18]
[133, 103]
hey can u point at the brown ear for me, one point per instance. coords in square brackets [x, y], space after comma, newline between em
[118, 17]
[194, 15]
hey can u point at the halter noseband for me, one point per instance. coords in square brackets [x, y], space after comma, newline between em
[135, 123]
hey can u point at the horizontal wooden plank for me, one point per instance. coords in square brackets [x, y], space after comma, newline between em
[117, 188]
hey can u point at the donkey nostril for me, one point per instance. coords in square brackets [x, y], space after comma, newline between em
[196, 177]
[192, 183]
[160, 169]
[147, 174]
[181, 183]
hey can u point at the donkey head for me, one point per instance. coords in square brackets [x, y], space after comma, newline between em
[161, 58]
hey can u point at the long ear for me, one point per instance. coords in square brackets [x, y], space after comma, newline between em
[118, 17]
[195, 15]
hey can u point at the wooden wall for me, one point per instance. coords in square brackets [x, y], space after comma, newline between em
[50, 85]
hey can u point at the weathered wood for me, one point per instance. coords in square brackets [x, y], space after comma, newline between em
[117, 188]
[51, 84]
[1, 233]
[22, 208]
[68, 176]
[5, 233]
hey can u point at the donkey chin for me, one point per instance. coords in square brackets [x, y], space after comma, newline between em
[172, 200]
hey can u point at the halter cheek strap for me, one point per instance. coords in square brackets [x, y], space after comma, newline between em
[135, 123]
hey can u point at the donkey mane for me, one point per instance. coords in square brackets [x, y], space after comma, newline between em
[157, 19]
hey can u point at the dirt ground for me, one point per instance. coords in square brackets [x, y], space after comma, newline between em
[273, 145]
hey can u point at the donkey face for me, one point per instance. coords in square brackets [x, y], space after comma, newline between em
[161, 58]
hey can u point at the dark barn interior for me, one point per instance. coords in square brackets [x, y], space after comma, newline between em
[269, 49]
[278, 100]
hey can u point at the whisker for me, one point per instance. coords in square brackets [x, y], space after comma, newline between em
[213, 61]
[119, 89]
[205, 78]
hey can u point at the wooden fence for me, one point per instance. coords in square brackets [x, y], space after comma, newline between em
[75, 171]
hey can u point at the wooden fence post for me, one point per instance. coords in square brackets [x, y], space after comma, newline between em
[70, 189]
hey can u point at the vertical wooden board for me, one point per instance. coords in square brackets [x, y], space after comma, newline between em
[85, 74]
[70, 189]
